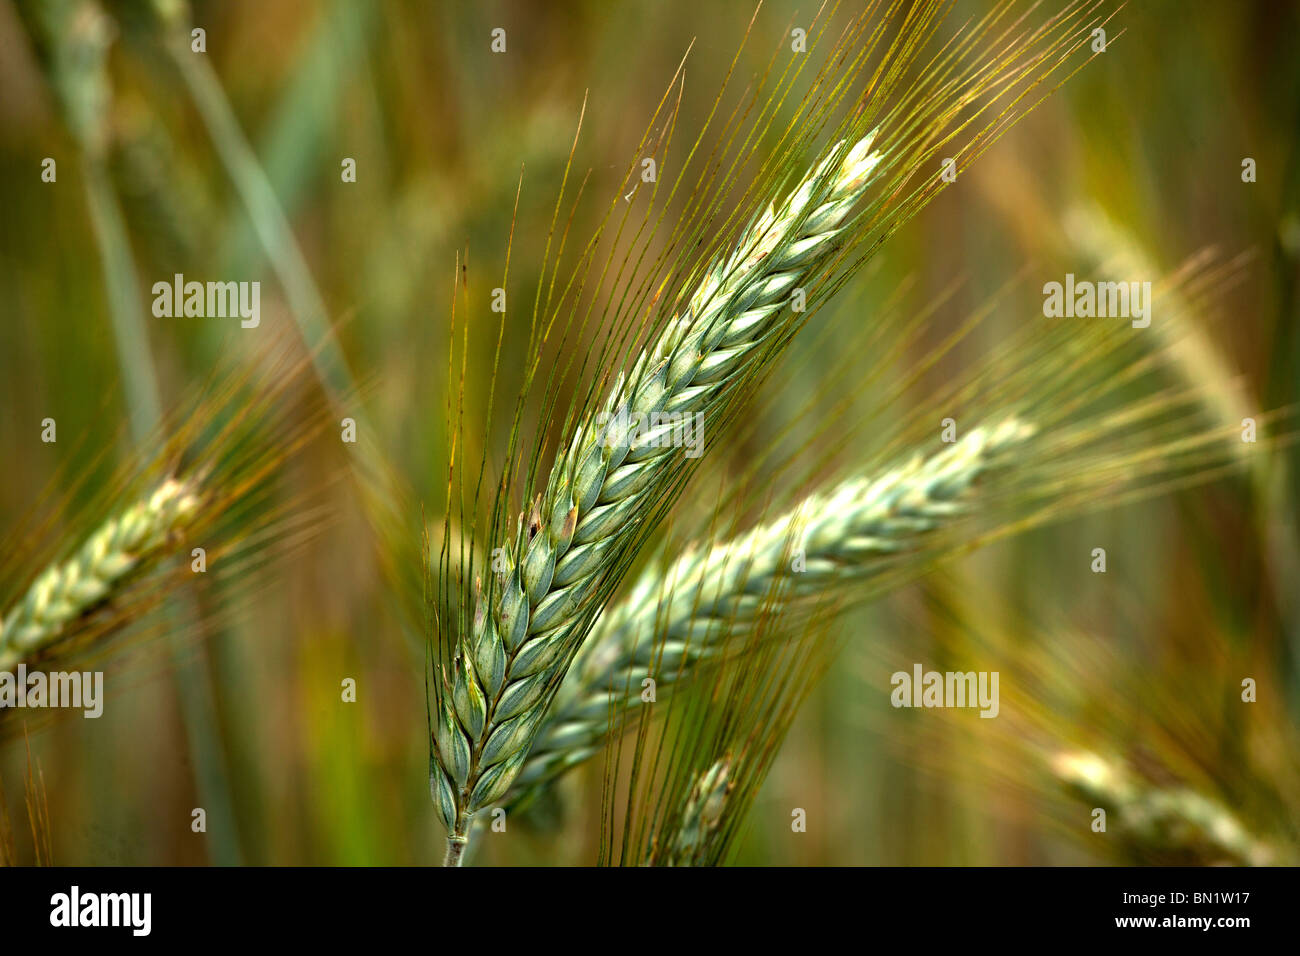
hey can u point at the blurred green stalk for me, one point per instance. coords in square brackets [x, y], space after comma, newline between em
[262, 206]
[77, 35]
[125, 308]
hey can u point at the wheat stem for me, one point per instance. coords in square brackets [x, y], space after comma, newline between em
[457, 840]
[676, 618]
[526, 630]
[66, 591]
[261, 204]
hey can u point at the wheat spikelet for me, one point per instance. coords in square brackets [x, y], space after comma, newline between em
[506, 672]
[118, 548]
[1160, 821]
[677, 617]
[693, 779]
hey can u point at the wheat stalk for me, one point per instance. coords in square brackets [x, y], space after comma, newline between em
[678, 617]
[1161, 820]
[65, 592]
[507, 671]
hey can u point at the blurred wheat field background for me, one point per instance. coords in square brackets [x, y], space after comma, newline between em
[1120, 690]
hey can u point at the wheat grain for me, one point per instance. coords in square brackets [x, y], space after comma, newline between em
[521, 642]
[66, 591]
[675, 618]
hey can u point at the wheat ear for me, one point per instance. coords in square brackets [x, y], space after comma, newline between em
[522, 640]
[1161, 821]
[677, 617]
[66, 591]
[703, 812]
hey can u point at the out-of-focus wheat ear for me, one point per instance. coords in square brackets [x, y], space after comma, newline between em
[1160, 823]
[694, 775]
[78, 578]
[703, 812]
[122, 547]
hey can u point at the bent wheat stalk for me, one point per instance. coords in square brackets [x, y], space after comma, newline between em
[119, 548]
[506, 672]
[676, 618]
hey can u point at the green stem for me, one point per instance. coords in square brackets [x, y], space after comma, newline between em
[125, 309]
[194, 690]
[268, 221]
[457, 841]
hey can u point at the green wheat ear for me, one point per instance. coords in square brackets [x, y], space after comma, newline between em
[678, 617]
[505, 674]
[493, 673]
[705, 806]
[118, 549]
